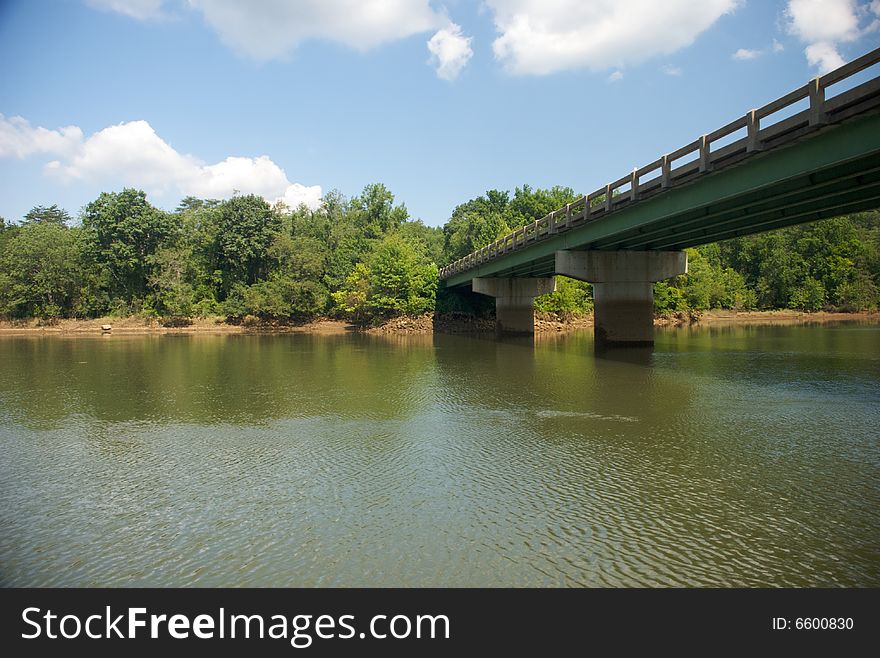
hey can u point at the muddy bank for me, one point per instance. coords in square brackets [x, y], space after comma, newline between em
[545, 323]
[135, 325]
[718, 317]
[431, 323]
[549, 323]
[455, 323]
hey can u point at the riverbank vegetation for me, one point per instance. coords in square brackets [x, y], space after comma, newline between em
[365, 260]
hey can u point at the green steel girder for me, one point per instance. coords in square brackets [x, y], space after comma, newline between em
[832, 172]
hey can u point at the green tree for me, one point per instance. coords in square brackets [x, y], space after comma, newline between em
[171, 281]
[40, 272]
[123, 232]
[668, 298]
[246, 227]
[194, 203]
[396, 280]
[427, 239]
[375, 213]
[571, 298]
[808, 296]
[47, 215]
[474, 224]
[528, 205]
[279, 298]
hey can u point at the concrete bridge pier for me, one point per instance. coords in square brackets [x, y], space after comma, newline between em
[514, 300]
[623, 290]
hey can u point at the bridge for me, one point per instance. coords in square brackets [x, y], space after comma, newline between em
[805, 156]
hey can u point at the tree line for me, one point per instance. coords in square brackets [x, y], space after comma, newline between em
[364, 259]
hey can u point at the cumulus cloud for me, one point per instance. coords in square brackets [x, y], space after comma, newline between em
[132, 154]
[616, 76]
[139, 9]
[825, 24]
[823, 56]
[823, 20]
[674, 71]
[270, 29]
[540, 37]
[266, 29]
[19, 139]
[450, 51]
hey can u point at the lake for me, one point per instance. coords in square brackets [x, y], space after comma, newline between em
[728, 456]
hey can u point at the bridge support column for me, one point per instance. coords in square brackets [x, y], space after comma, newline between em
[623, 291]
[514, 301]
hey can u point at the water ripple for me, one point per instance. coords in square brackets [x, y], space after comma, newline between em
[349, 461]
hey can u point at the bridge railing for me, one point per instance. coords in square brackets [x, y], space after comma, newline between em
[699, 157]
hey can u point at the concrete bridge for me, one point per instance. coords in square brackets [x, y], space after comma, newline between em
[775, 166]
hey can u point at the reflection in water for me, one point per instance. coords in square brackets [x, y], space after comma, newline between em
[728, 456]
[641, 356]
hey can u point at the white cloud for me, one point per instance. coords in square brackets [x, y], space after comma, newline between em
[746, 54]
[267, 29]
[824, 56]
[297, 194]
[616, 76]
[139, 9]
[19, 139]
[674, 71]
[270, 29]
[875, 23]
[543, 36]
[823, 20]
[132, 154]
[825, 24]
[450, 51]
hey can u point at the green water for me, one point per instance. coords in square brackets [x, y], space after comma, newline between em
[744, 456]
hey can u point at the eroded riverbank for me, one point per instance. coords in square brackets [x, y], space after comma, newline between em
[456, 323]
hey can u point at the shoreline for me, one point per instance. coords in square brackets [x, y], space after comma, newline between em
[544, 323]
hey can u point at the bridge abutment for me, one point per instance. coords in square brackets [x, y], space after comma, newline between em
[623, 291]
[514, 300]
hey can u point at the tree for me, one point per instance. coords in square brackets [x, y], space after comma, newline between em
[375, 212]
[477, 222]
[474, 224]
[246, 227]
[429, 239]
[396, 280]
[808, 296]
[280, 298]
[528, 205]
[40, 272]
[668, 298]
[171, 281]
[7, 230]
[122, 232]
[47, 215]
[194, 203]
[571, 297]
[365, 259]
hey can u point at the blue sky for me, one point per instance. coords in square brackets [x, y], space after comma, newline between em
[293, 98]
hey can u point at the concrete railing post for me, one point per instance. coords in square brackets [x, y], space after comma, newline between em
[817, 102]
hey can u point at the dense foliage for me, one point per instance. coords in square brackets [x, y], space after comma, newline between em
[832, 264]
[366, 260]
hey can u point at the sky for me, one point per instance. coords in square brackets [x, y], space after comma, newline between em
[440, 101]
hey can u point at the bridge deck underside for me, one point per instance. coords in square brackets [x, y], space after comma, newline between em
[832, 173]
